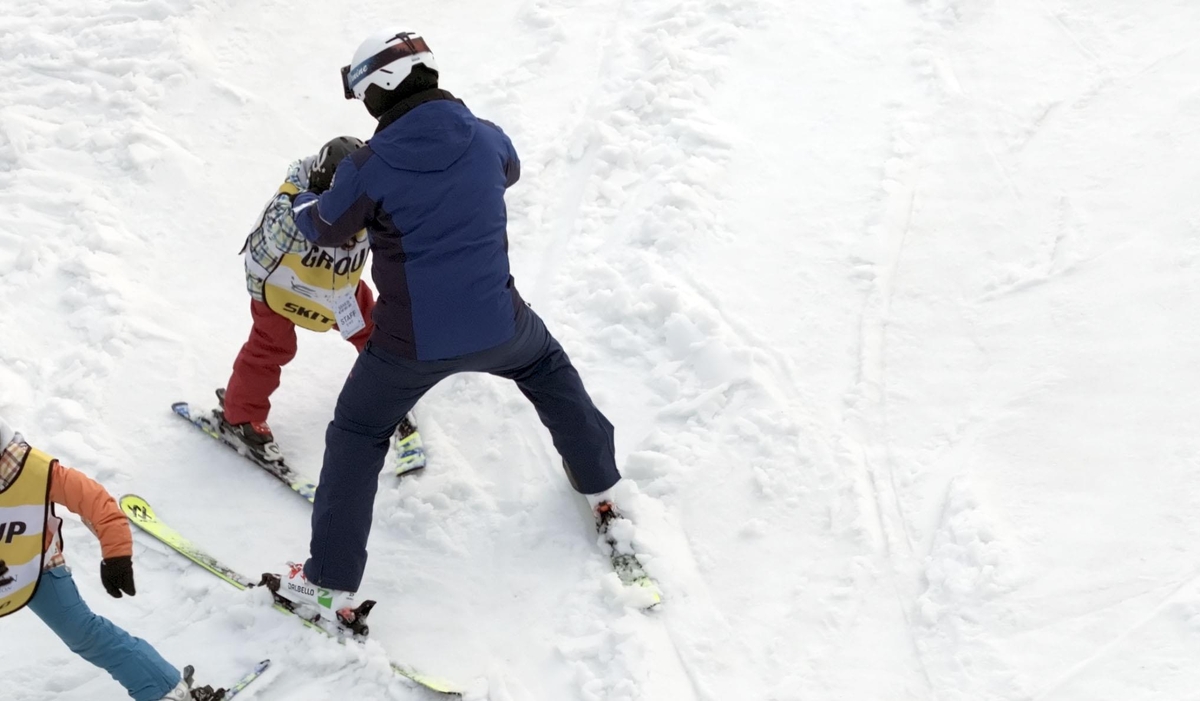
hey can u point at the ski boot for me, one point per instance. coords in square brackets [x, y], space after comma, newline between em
[185, 691]
[255, 436]
[294, 592]
[410, 451]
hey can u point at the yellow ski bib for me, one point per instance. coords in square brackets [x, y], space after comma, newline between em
[305, 287]
[24, 508]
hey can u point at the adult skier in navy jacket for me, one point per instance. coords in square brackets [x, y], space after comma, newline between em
[429, 188]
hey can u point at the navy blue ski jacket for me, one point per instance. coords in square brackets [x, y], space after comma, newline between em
[429, 188]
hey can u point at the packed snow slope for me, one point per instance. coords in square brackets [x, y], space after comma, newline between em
[893, 304]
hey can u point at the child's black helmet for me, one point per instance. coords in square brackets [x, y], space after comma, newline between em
[330, 155]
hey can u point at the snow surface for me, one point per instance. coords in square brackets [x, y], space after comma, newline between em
[893, 304]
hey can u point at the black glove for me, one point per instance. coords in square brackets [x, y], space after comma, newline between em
[200, 693]
[117, 575]
[207, 693]
[4, 581]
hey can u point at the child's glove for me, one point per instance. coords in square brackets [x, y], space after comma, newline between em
[117, 575]
[4, 581]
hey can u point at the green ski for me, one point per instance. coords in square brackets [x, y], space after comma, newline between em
[139, 511]
[245, 681]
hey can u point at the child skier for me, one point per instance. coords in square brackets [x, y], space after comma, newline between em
[294, 283]
[33, 572]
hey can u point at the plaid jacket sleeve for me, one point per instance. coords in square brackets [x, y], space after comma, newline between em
[279, 229]
[277, 236]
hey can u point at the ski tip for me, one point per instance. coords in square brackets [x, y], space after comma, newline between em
[132, 499]
[136, 508]
[651, 596]
[402, 472]
[431, 683]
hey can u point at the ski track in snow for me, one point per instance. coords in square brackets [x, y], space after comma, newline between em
[893, 306]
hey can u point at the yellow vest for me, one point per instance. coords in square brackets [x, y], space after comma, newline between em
[304, 286]
[24, 508]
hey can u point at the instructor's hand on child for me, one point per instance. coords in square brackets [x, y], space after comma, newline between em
[117, 575]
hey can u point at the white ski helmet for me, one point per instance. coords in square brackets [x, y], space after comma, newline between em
[385, 59]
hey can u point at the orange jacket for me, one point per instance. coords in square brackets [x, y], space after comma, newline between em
[84, 497]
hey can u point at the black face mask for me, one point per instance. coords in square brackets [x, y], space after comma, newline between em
[379, 101]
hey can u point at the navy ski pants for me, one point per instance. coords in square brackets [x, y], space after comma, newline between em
[383, 387]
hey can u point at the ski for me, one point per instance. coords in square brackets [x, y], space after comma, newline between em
[629, 570]
[407, 447]
[626, 564]
[139, 511]
[278, 468]
[245, 681]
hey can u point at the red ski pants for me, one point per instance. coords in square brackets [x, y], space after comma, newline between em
[272, 344]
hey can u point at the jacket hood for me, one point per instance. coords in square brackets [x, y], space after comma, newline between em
[429, 138]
